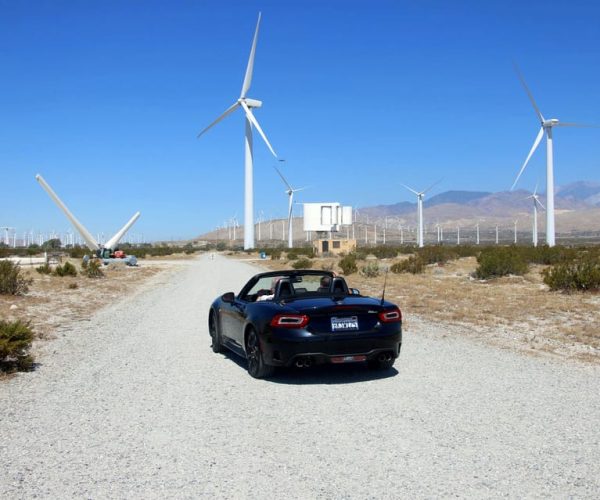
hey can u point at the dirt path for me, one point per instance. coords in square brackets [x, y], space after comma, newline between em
[133, 404]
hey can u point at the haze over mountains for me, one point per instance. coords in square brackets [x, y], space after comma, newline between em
[581, 198]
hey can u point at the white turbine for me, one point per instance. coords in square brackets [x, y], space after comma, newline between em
[420, 197]
[91, 243]
[247, 104]
[547, 126]
[536, 202]
[290, 192]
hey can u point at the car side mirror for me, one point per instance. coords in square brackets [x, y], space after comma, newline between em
[354, 291]
[228, 297]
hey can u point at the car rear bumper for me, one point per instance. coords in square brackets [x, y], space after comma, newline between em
[330, 350]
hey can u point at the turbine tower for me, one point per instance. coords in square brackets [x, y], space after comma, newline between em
[247, 105]
[536, 202]
[420, 197]
[290, 192]
[547, 126]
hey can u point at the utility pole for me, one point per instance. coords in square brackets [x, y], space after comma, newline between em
[458, 235]
[496, 234]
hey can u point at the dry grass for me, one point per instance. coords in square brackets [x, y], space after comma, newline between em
[517, 312]
[52, 302]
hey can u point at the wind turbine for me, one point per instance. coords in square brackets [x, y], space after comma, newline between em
[91, 243]
[547, 126]
[420, 197]
[247, 104]
[290, 192]
[536, 202]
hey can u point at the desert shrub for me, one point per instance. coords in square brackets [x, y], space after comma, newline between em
[436, 254]
[77, 252]
[275, 253]
[15, 342]
[572, 276]
[384, 251]
[414, 264]
[550, 255]
[500, 261]
[296, 253]
[67, 269]
[348, 264]
[302, 263]
[94, 269]
[466, 251]
[44, 269]
[73, 286]
[12, 281]
[370, 270]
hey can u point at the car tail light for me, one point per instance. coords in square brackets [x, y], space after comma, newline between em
[390, 315]
[290, 321]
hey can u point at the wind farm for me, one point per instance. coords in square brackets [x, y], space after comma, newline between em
[283, 156]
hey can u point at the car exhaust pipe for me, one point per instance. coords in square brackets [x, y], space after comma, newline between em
[307, 362]
[299, 363]
[381, 357]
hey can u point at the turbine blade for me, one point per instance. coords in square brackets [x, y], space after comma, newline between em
[535, 190]
[283, 179]
[255, 123]
[300, 189]
[535, 107]
[432, 186]
[410, 189]
[227, 112]
[250, 67]
[91, 243]
[536, 143]
[540, 203]
[117, 237]
[572, 124]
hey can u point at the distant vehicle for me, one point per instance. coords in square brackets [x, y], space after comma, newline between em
[302, 318]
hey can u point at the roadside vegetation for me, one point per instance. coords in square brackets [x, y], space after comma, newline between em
[15, 342]
[12, 280]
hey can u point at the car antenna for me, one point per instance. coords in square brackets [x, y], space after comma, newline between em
[384, 284]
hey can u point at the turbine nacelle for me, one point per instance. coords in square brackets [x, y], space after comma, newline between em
[251, 103]
[550, 123]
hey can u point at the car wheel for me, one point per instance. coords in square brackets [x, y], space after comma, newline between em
[382, 362]
[256, 364]
[214, 334]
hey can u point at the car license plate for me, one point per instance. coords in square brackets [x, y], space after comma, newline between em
[344, 324]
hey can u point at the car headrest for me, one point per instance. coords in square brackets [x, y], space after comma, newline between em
[339, 286]
[284, 289]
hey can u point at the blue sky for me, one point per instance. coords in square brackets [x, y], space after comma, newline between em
[105, 99]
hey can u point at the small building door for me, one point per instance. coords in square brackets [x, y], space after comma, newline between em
[325, 246]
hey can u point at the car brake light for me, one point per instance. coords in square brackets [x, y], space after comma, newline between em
[390, 315]
[290, 321]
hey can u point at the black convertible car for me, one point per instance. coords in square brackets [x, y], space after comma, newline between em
[301, 318]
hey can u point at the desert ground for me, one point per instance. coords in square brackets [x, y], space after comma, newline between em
[131, 402]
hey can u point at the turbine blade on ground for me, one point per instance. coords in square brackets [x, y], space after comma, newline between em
[535, 106]
[91, 243]
[536, 143]
[227, 112]
[119, 234]
[250, 67]
[255, 123]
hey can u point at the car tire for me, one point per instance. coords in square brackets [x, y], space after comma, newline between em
[376, 364]
[215, 335]
[256, 364]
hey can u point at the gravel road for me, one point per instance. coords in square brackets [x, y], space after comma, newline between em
[133, 404]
